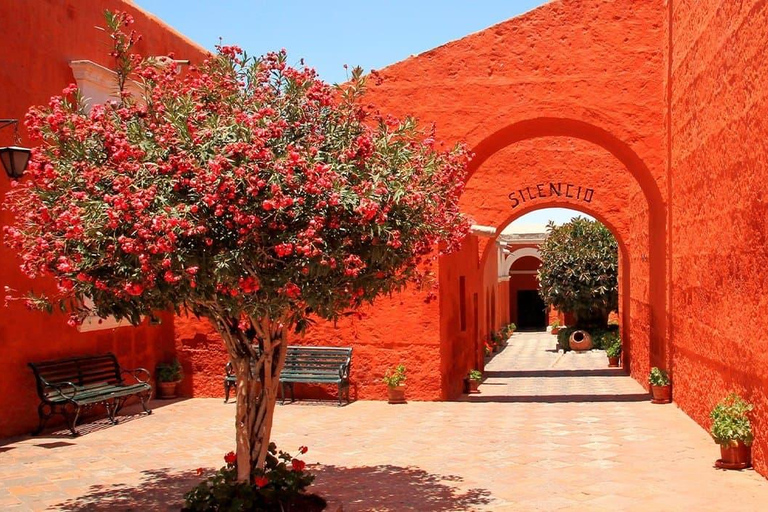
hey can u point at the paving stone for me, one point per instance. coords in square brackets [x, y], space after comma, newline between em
[532, 439]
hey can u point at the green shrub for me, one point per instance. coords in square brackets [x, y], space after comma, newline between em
[475, 375]
[563, 336]
[730, 421]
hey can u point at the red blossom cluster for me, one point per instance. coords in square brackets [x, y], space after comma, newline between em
[243, 183]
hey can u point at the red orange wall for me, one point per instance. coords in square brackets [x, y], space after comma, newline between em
[39, 40]
[718, 130]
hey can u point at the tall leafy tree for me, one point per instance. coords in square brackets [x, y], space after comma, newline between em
[246, 191]
[579, 271]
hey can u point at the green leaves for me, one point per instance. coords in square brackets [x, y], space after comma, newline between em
[730, 421]
[579, 271]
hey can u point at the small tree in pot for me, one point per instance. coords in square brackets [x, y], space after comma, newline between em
[732, 430]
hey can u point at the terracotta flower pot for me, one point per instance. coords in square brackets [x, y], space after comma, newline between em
[735, 455]
[580, 341]
[396, 395]
[166, 389]
[555, 330]
[613, 362]
[661, 394]
[473, 385]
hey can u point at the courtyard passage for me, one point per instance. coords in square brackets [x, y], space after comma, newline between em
[547, 432]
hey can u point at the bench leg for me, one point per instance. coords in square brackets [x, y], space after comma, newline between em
[144, 398]
[282, 393]
[111, 411]
[340, 394]
[293, 398]
[72, 419]
[43, 417]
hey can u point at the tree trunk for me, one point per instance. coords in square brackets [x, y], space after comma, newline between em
[257, 364]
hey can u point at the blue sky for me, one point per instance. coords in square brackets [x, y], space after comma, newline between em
[331, 33]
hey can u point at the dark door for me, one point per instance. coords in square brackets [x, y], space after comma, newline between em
[531, 311]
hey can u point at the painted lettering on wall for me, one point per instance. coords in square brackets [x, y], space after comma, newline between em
[544, 190]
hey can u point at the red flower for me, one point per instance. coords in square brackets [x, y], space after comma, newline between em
[230, 458]
[298, 465]
[260, 481]
[303, 449]
[199, 471]
[134, 289]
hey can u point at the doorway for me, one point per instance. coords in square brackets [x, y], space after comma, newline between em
[531, 311]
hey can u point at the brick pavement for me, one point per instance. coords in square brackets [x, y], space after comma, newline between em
[546, 432]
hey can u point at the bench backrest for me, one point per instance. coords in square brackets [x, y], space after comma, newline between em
[302, 360]
[81, 371]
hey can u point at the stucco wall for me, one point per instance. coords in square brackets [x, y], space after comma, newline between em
[39, 40]
[718, 101]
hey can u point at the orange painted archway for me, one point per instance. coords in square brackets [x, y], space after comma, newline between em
[563, 127]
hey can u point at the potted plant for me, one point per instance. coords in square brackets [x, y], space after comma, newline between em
[495, 341]
[395, 381]
[732, 430]
[613, 349]
[555, 326]
[661, 388]
[168, 377]
[474, 378]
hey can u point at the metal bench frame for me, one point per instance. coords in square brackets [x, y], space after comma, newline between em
[316, 365]
[69, 386]
[230, 380]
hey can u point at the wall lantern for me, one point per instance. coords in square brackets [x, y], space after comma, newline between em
[13, 158]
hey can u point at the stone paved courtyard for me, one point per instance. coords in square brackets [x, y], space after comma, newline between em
[546, 432]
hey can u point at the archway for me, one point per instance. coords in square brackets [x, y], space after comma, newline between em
[636, 218]
[633, 164]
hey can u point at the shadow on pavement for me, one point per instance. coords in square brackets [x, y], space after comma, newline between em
[382, 488]
[557, 399]
[160, 489]
[393, 488]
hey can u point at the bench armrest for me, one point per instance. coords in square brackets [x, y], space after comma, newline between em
[137, 373]
[65, 390]
[344, 371]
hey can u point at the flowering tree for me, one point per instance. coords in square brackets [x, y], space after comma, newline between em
[246, 191]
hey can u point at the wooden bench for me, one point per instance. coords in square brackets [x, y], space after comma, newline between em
[316, 365]
[68, 386]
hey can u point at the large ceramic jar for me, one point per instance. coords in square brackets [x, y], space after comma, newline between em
[580, 341]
